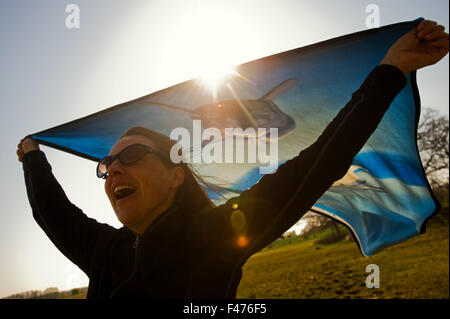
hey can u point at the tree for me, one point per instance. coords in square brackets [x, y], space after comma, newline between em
[315, 223]
[75, 291]
[433, 145]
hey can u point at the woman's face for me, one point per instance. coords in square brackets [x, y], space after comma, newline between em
[141, 191]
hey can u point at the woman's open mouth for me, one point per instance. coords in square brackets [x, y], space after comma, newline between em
[122, 191]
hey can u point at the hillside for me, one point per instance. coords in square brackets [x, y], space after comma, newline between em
[417, 268]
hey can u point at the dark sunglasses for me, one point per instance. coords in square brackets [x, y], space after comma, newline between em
[128, 155]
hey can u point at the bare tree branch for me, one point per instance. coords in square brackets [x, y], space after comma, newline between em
[433, 144]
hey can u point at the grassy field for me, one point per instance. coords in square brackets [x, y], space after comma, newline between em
[297, 268]
[416, 268]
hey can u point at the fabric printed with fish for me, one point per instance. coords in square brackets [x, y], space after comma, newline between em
[384, 198]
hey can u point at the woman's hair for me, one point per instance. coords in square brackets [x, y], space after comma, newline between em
[190, 194]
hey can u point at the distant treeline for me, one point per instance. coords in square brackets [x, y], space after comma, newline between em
[49, 293]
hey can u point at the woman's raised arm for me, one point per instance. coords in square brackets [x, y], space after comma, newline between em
[269, 208]
[77, 236]
[279, 200]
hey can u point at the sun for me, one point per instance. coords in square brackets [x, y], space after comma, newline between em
[216, 74]
[208, 45]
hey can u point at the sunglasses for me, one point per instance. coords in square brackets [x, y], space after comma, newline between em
[128, 155]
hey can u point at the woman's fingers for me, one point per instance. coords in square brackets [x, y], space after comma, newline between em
[425, 23]
[435, 35]
[20, 154]
[25, 146]
[20, 151]
[412, 51]
[429, 29]
[30, 144]
[432, 31]
[442, 43]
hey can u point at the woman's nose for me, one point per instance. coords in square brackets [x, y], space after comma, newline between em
[115, 168]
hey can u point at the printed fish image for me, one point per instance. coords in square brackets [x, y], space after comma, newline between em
[234, 113]
[352, 180]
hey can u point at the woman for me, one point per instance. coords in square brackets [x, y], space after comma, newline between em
[174, 242]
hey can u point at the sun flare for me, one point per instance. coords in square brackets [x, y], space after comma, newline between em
[215, 74]
[206, 48]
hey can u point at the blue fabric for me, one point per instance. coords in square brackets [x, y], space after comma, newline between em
[387, 201]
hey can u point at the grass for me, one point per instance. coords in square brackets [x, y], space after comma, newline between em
[80, 295]
[416, 268]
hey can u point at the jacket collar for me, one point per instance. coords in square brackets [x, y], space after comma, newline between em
[157, 221]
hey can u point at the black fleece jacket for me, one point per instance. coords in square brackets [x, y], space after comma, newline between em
[200, 255]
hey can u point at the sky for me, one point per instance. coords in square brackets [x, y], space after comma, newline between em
[52, 74]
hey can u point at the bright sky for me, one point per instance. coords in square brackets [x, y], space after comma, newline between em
[126, 49]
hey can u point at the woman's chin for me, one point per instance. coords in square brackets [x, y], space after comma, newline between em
[126, 216]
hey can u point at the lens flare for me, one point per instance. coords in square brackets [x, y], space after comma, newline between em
[242, 241]
[214, 74]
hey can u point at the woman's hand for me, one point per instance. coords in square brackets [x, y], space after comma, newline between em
[26, 145]
[425, 45]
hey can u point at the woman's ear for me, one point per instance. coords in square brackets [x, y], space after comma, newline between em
[177, 177]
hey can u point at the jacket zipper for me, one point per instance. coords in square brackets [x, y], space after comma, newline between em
[136, 253]
[136, 243]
